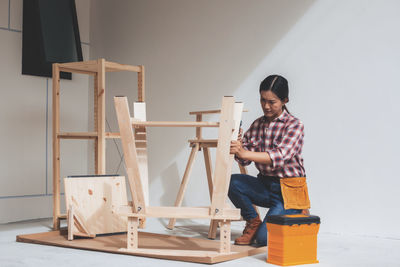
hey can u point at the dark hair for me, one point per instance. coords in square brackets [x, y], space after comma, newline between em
[278, 85]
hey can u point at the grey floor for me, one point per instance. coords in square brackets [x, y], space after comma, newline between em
[333, 250]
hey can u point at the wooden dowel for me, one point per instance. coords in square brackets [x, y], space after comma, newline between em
[173, 124]
[213, 111]
[77, 135]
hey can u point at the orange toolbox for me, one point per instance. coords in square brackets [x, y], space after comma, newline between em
[292, 239]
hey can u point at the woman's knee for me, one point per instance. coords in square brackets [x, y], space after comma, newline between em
[236, 182]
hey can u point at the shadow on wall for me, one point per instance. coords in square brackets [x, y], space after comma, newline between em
[170, 180]
[195, 52]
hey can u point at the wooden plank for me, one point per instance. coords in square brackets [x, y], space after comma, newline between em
[185, 179]
[213, 111]
[77, 135]
[70, 222]
[136, 123]
[62, 216]
[112, 135]
[208, 164]
[132, 235]
[83, 66]
[78, 71]
[225, 237]
[95, 117]
[229, 126]
[199, 117]
[204, 142]
[101, 117]
[181, 213]
[93, 200]
[79, 227]
[130, 155]
[159, 246]
[56, 147]
[141, 84]
[113, 66]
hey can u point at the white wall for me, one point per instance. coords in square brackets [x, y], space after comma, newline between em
[340, 57]
[25, 135]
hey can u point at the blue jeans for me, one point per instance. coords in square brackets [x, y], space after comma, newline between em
[246, 190]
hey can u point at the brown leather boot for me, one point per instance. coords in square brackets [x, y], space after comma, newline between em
[249, 232]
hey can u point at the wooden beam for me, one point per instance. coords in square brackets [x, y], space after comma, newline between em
[79, 71]
[174, 124]
[82, 66]
[112, 67]
[112, 135]
[56, 147]
[101, 117]
[213, 111]
[132, 235]
[141, 84]
[225, 237]
[130, 155]
[95, 118]
[181, 213]
[229, 127]
[77, 135]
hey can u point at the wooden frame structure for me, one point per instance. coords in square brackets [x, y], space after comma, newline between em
[97, 69]
[228, 128]
[197, 145]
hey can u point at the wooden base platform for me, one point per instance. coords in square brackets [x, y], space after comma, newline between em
[150, 245]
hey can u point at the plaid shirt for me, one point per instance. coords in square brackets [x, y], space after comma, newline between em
[282, 139]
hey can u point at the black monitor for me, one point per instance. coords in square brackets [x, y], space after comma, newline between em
[50, 34]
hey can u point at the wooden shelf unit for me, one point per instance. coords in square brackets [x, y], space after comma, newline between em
[97, 69]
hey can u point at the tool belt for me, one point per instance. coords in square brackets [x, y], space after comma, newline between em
[295, 193]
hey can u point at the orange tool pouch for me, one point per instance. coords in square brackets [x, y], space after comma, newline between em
[295, 193]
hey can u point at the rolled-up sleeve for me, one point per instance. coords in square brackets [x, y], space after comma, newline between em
[291, 144]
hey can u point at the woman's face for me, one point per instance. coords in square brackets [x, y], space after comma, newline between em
[271, 105]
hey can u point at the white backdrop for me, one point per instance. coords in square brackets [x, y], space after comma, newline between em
[341, 58]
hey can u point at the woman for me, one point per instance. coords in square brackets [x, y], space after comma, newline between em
[274, 143]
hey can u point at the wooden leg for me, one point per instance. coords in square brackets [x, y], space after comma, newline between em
[212, 231]
[70, 222]
[207, 161]
[225, 237]
[185, 179]
[132, 235]
[56, 147]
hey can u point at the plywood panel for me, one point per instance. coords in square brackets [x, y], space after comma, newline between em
[94, 199]
[150, 245]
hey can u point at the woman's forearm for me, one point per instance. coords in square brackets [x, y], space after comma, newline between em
[258, 157]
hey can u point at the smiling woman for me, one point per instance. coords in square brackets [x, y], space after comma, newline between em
[274, 143]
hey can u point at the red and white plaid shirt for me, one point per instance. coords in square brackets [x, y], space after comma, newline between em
[282, 138]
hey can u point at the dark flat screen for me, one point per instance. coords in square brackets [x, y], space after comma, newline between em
[50, 35]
